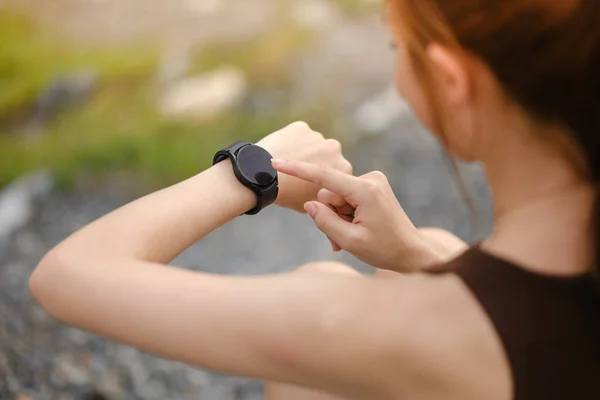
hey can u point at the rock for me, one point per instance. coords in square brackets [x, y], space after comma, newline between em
[379, 113]
[153, 390]
[10, 380]
[314, 14]
[17, 200]
[77, 336]
[22, 396]
[343, 66]
[175, 64]
[66, 396]
[197, 378]
[109, 385]
[93, 396]
[69, 371]
[205, 96]
[62, 92]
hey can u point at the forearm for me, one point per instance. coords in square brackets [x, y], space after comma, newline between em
[112, 278]
[160, 226]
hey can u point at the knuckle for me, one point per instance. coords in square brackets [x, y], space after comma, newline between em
[371, 187]
[375, 183]
[378, 176]
[335, 145]
[347, 167]
[300, 125]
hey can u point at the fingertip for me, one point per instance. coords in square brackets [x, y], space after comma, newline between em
[322, 192]
[277, 163]
[310, 208]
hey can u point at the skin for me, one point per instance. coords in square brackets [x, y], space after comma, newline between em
[326, 332]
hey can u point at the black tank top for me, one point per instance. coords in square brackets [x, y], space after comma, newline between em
[549, 326]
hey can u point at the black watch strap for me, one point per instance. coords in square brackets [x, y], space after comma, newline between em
[229, 152]
[265, 196]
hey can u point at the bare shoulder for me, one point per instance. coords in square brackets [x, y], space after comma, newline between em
[443, 345]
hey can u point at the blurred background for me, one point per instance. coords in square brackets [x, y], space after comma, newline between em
[102, 101]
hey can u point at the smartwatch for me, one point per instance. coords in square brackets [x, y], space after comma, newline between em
[252, 167]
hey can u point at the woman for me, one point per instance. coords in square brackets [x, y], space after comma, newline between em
[513, 84]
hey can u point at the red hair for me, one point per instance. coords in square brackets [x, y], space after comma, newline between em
[544, 53]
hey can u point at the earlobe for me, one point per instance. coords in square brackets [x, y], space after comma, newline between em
[452, 74]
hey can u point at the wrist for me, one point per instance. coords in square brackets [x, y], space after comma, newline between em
[235, 197]
[426, 254]
[418, 255]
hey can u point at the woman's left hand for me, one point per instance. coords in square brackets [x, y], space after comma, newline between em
[299, 142]
[362, 216]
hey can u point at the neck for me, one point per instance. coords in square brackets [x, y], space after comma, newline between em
[542, 206]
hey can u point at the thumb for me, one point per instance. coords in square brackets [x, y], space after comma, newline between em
[329, 222]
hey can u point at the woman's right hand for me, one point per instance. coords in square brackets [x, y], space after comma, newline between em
[362, 216]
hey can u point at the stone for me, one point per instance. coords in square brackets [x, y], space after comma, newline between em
[205, 96]
[379, 113]
[109, 385]
[62, 92]
[70, 372]
[22, 396]
[77, 337]
[151, 390]
[175, 63]
[17, 201]
[66, 396]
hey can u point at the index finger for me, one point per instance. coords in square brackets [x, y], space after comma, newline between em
[322, 176]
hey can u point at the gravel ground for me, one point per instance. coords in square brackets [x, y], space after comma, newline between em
[43, 359]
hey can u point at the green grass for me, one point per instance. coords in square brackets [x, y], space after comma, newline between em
[113, 135]
[30, 58]
[119, 128]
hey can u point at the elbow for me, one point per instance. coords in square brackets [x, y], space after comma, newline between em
[47, 279]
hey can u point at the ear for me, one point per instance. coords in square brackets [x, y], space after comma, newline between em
[451, 70]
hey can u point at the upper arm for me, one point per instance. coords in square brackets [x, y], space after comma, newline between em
[448, 339]
[312, 330]
[349, 335]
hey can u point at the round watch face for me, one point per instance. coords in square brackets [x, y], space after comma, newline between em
[254, 163]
